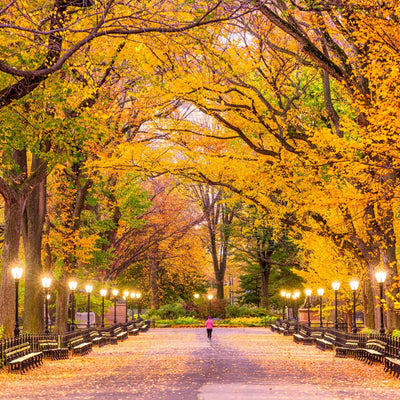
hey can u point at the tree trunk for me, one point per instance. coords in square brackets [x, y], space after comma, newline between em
[32, 233]
[62, 306]
[13, 210]
[265, 271]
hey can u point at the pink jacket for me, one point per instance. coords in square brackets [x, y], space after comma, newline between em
[209, 324]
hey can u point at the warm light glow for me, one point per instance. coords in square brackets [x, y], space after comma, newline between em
[209, 297]
[48, 297]
[103, 292]
[336, 285]
[283, 293]
[72, 285]
[380, 276]
[17, 272]
[138, 295]
[46, 282]
[89, 288]
[296, 294]
[308, 292]
[320, 292]
[196, 295]
[126, 294]
[288, 295]
[115, 292]
[133, 295]
[354, 284]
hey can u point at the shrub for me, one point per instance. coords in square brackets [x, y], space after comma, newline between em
[233, 311]
[396, 333]
[171, 311]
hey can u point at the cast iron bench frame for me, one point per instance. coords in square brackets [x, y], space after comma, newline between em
[327, 342]
[20, 358]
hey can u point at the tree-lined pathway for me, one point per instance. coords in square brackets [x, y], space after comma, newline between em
[239, 363]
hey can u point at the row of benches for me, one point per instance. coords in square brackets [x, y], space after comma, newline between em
[21, 357]
[372, 350]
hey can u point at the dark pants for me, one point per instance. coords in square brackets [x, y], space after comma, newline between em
[209, 331]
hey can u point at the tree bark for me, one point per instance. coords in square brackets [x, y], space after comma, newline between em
[32, 233]
[13, 210]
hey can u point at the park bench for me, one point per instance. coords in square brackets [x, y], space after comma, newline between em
[374, 350]
[315, 335]
[348, 349]
[120, 334]
[109, 336]
[302, 337]
[275, 326]
[132, 329]
[50, 349]
[79, 345]
[288, 328]
[327, 342]
[392, 365]
[145, 326]
[20, 358]
[97, 339]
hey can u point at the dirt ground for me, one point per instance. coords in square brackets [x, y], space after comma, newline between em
[239, 363]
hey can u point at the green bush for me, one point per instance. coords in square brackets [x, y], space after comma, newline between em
[171, 311]
[234, 311]
[396, 333]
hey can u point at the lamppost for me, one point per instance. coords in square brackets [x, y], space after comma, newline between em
[115, 294]
[296, 295]
[308, 294]
[46, 282]
[381, 277]
[196, 296]
[320, 293]
[354, 286]
[283, 295]
[72, 285]
[336, 286]
[138, 296]
[210, 296]
[16, 273]
[288, 296]
[126, 296]
[103, 293]
[89, 289]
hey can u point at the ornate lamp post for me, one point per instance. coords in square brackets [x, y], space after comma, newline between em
[209, 297]
[288, 296]
[103, 293]
[16, 273]
[46, 282]
[126, 296]
[308, 294]
[72, 285]
[283, 295]
[336, 286]
[89, 289]
[354, 286]
[138, 296]
[320, 292]
[381, 277]
[115, 294]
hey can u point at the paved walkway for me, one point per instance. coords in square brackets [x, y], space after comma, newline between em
[180, 364]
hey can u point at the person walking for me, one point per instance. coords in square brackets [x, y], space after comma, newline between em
[209, 326]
